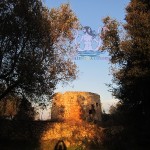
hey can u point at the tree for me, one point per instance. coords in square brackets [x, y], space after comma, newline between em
[130, 53]
[32, 57]
[112, 109]
[9, 107]
[12, 107]
[25, 110]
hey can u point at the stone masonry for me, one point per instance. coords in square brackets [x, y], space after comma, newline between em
[76, 106]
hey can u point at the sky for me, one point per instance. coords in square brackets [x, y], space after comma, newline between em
[93, 74]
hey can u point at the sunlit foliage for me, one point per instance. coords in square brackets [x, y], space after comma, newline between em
[35, 42]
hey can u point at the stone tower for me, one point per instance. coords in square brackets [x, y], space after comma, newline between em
[76, 106]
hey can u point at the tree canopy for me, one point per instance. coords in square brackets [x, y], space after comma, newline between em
[34, 47]
[129, 50]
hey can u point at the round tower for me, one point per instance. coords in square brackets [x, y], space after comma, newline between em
[76, 106]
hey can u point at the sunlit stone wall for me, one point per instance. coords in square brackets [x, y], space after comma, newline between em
[76, 106]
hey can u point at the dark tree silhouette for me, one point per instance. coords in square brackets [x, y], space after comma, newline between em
[130, 54]
[25, 110]
[32, 59]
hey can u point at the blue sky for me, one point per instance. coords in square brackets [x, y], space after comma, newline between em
[93, 74]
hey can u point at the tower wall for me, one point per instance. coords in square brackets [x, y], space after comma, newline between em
[76, 106]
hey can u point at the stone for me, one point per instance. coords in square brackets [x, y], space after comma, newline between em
[76, 106]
